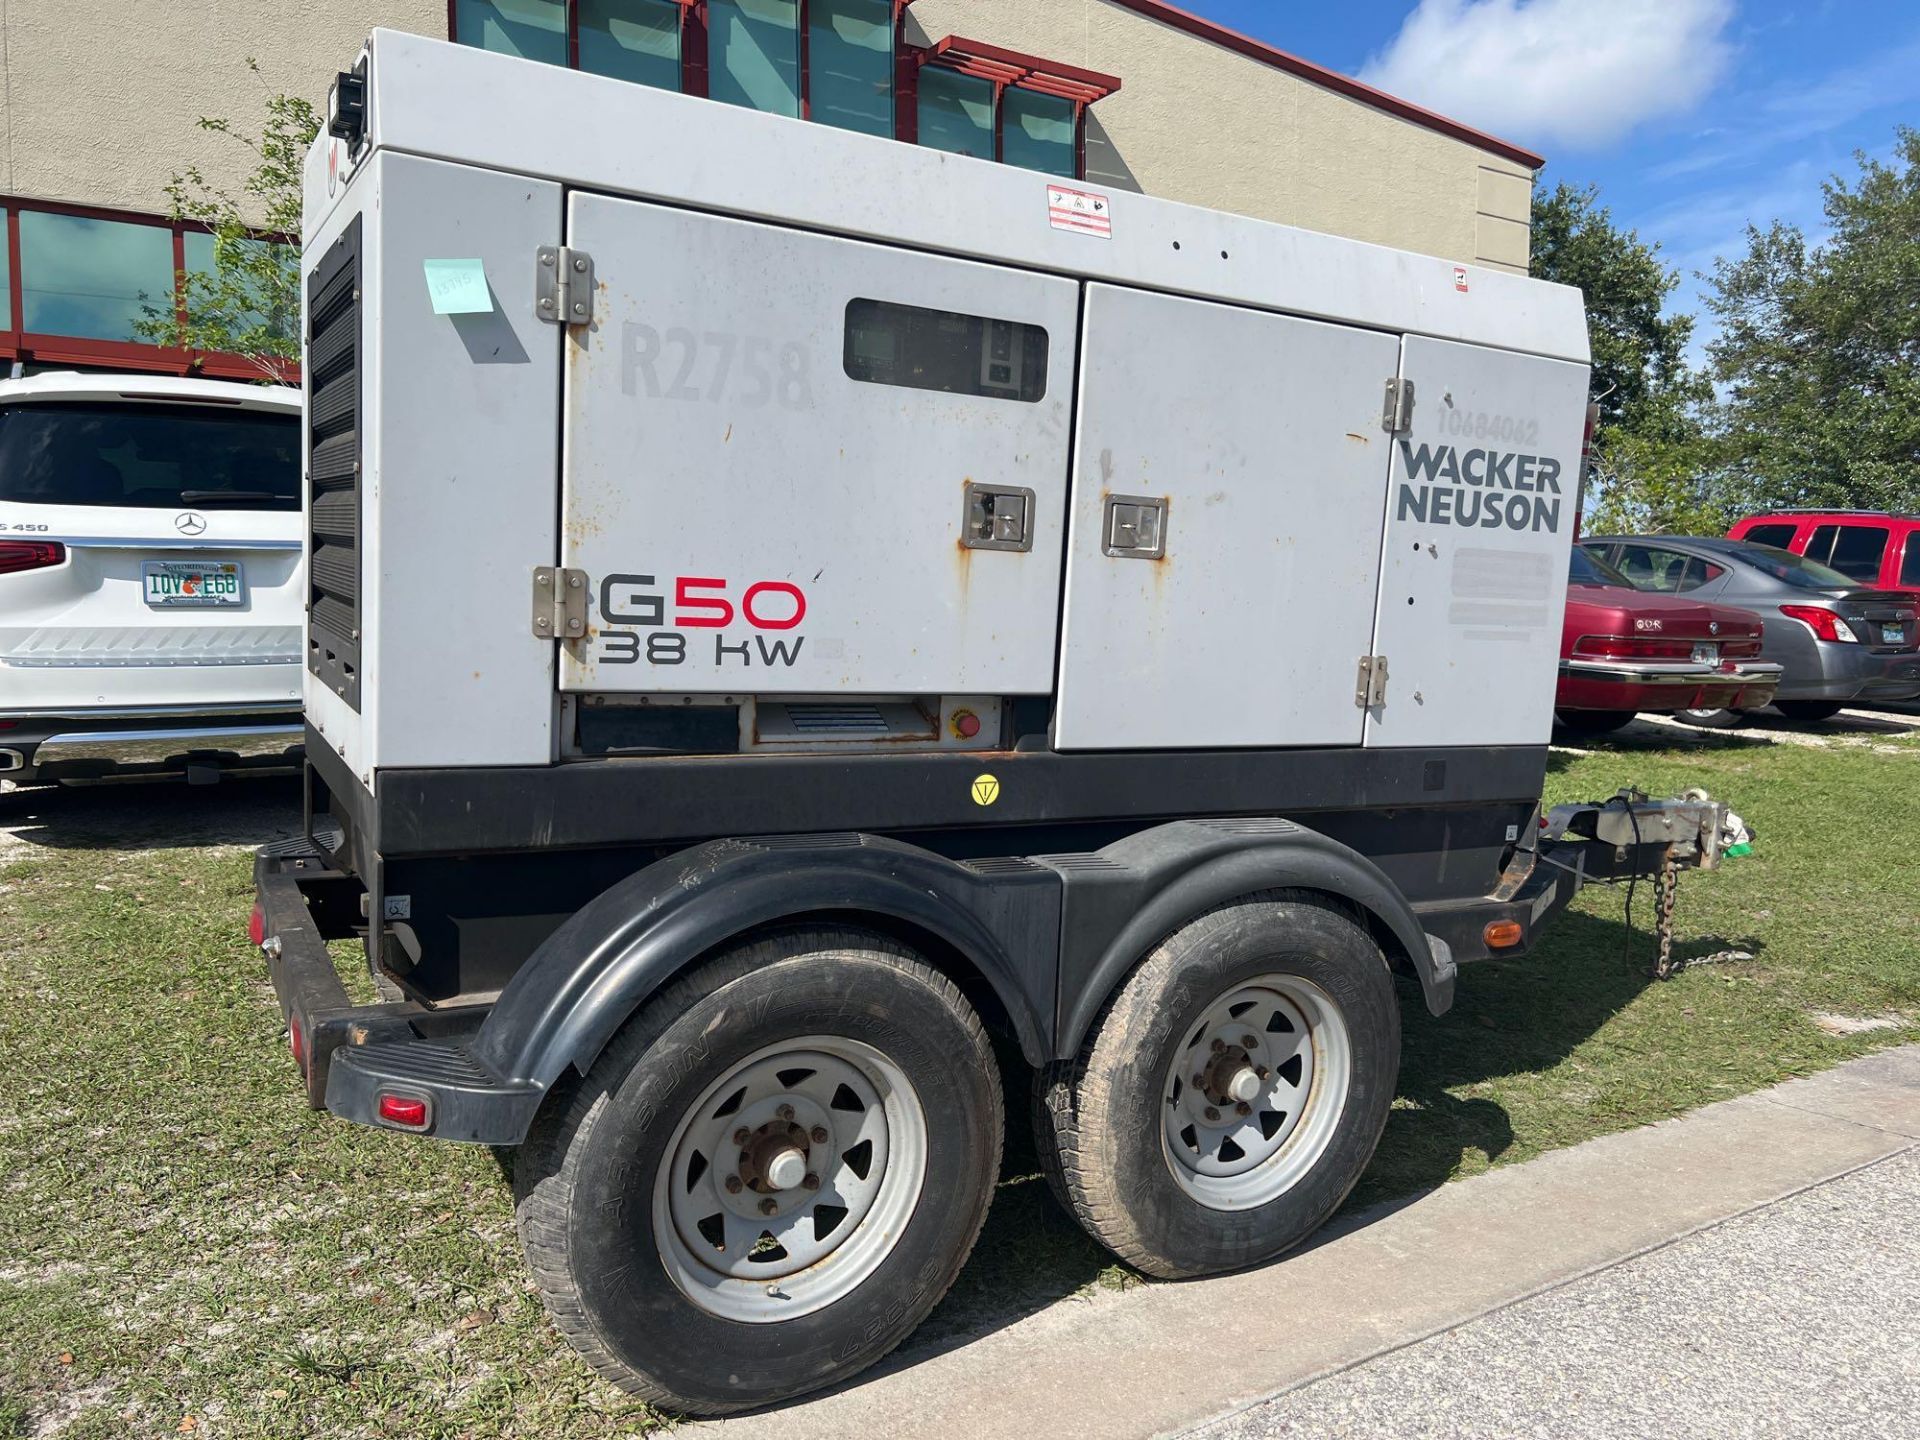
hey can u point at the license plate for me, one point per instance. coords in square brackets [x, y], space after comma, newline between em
[186, 584]
[1706, 654]
[1893, 634]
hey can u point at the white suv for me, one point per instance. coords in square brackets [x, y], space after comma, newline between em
[151, 592]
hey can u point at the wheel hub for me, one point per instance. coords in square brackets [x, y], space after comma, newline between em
[813, 1151]
[1253, 1096]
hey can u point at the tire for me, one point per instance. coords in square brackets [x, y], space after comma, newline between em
[1593, 722]
[606, 1227]
[1099, 1118]
[1809, 711]
[1713, 719]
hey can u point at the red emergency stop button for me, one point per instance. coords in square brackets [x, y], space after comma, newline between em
[966, 724]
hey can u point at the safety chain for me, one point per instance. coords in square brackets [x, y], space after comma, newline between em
[1668, 891]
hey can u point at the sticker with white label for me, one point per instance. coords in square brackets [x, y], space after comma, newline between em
[1460, 278]
[1081, 211]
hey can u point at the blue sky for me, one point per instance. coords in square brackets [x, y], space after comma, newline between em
[1692, 116]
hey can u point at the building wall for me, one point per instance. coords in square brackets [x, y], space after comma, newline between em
[102, 100]
[1202, 124]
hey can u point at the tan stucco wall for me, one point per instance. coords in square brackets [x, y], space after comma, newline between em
[100, 99]
[1202, 124]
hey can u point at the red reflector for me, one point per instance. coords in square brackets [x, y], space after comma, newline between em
[297, 1042]
[398, 1110]
[257, 926]
[19, 555]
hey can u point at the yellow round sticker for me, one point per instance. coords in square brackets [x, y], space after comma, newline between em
[986, 790]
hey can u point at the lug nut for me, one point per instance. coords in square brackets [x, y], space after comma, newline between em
[769, 1205]
[1218, 1046]
[1199, 1082]
[1212, 1114]
[812, 1182]
[1247, 1042]
[742, 1135]
[786, 1112]
[1243, 1109]
[733, 1185]
[819, 1134]
[1261, 1071]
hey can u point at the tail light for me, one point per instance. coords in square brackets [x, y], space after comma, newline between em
[1739, 649]
[1824, 623]
[405, 1111]
[1634, 647]
[20, 555]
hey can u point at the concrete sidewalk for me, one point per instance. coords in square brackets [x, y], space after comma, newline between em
[1162, 1359]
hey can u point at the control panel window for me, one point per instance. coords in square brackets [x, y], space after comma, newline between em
[921, 349]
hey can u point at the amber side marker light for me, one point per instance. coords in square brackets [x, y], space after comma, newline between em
[1503, 934]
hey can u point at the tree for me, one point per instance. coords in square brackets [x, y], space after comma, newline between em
[1818, 356]
[1651, 466]
[245, 298]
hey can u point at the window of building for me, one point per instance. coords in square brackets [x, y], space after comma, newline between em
[942, 350]
[636, 40]
[753, 54]
[835, 61]
[956, 113]
[198, 250]
[531, 29]
[94, 288]
[93, 279]
[850, 66]
[1039, 132]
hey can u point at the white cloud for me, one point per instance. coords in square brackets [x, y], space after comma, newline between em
[1574, 73]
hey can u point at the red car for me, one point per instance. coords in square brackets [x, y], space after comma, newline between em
[1624, 650]
[1869, 547]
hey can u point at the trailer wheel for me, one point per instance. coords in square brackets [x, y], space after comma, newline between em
[1229, 1096]
[769, 1177]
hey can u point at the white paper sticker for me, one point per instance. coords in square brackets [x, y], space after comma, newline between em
[1460, 278]
[1081, 211]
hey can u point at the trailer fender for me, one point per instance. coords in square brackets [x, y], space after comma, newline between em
[1149, 885]
[602, 964]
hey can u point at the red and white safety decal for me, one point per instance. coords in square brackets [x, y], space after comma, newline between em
[1081, 211]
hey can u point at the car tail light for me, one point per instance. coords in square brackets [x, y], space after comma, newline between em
[19, 555]
[1739, 649]
[1824, 623]
[1634, 647]
[404, 1111]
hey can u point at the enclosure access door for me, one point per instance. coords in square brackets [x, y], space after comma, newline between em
[1224, 544]
[798, 464]
[1485, 491]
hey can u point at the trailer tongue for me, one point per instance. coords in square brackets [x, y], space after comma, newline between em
[767, 631]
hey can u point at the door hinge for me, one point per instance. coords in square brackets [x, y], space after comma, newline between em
[1370, 690]
[563, 285]
[559, 603]
[1396, 416]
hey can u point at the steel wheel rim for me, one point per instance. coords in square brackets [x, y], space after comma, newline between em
[1262, 1114]
[830, 1224]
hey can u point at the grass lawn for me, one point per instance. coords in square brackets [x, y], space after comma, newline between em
[185, 1248]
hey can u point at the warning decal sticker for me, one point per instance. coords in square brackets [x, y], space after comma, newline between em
[1080, 210]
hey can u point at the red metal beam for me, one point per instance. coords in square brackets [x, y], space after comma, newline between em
[1012, 67]
[1330, 80]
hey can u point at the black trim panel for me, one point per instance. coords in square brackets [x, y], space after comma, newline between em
[683, 800]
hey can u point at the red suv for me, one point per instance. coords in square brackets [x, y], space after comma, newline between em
[1867, 546]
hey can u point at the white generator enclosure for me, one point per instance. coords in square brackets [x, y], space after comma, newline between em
[777, 436]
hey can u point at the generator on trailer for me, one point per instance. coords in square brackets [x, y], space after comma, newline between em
[785, 604]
